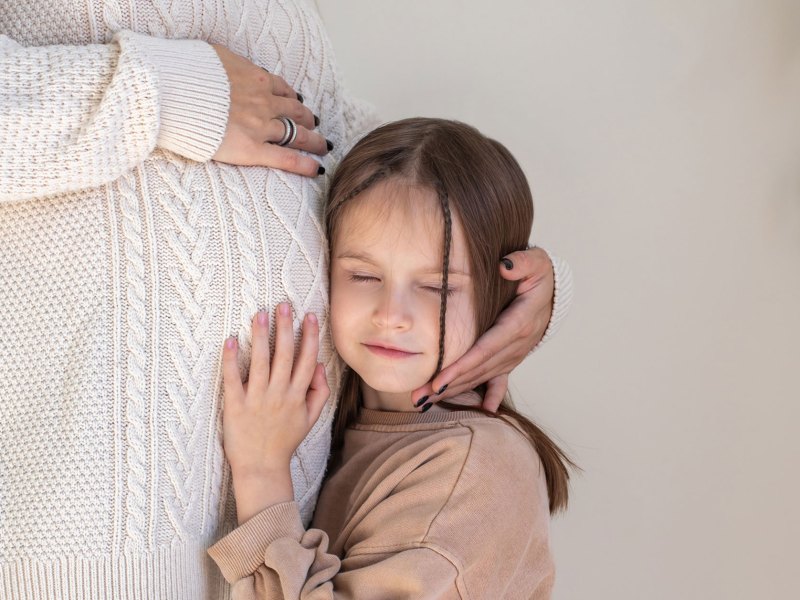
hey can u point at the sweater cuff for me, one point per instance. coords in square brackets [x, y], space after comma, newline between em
[562, 297]
[194, 94]
[242, 551]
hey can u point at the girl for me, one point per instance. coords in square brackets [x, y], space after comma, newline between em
[445, 502]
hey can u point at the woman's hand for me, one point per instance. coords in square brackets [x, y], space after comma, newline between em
[264, 420]
[258, 98]
[515, 333]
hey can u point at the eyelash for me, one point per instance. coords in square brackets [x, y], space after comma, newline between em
[367, 278]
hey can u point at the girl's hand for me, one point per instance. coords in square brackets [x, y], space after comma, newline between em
[264, 421]
[515, 333]
[257, 99]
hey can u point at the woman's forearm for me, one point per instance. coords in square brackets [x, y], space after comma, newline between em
[78, 117]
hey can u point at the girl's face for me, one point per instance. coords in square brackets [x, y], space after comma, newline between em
[386, 279]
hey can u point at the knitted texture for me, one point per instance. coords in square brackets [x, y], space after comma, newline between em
[124, 264]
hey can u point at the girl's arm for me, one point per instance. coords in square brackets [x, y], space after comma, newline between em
[271, 555]
[78, 117]
[425, 534]
[265, 419]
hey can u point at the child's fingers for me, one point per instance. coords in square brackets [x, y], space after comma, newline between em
[307, 358]
[318, 393]
[281, 371]
[259, 356]
[231, 378]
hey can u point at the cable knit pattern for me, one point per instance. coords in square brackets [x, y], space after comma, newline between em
[126, 259]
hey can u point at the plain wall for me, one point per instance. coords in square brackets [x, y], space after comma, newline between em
[662, 141]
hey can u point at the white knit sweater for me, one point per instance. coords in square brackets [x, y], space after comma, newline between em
[126, 258]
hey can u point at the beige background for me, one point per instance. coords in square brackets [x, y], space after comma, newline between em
[662, 139]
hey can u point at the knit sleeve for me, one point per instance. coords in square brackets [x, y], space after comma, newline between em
[272, 556]
[562, 297]
[77, 117]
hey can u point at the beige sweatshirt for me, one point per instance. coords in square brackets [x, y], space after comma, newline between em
[435, 505]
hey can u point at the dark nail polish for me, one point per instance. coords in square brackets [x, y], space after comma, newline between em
[329, 144]
[420, 402]
[321, 170]
[426, 407]
[442, 389]
[316, 121]
[299, 96]
[507, 263]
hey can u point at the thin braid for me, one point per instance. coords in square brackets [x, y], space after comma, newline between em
[368, 182]
[448, 229]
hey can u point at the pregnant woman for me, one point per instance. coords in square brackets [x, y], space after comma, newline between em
[152, 199]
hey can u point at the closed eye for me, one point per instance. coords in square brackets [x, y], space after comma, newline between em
[357, 277]
[438, 290]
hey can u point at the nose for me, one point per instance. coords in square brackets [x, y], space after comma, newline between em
[393, 310]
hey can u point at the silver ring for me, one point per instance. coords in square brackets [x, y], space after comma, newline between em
[290, 133]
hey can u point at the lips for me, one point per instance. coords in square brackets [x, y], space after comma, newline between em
[388, 351]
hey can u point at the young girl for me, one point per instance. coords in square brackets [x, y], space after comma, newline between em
[443, 501]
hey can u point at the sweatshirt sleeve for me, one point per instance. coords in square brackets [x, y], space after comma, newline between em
[272, 556]
[77, 117]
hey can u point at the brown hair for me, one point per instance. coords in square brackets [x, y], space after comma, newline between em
[485, 185]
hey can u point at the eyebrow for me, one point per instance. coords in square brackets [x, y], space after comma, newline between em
[367, 259]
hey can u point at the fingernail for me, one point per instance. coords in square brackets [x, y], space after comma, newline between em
[262, 318]
[284, 308]
[312, 317]
[426, 407]
[420, 402]
[321, 170]
[442, 389]
[299, 96]
[507, 263]
[329, 144]
[316, 120]
[230, 343]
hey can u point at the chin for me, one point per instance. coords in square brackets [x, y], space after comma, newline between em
[401, 384]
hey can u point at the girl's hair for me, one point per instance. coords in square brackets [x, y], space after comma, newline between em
[479, 179]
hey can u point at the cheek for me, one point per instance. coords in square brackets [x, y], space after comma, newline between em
[460, 334]
[346, 308]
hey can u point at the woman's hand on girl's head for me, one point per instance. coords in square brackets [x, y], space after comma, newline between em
[257, 100]
[515, 333]
[264, 420]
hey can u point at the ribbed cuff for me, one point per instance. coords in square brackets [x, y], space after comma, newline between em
[194, 94]
[562, 297]
[241, 552]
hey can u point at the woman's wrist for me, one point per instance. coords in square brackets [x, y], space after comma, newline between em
[194, 94]
[256, 490]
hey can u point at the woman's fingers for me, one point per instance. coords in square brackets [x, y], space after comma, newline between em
[257, 99]
[287, 159]
[306, 140]
[532, 262]
[496, 389]
[281, 88]
[231, 378]
[306, 361]
[479, 360]
[294, 109]
[310, 141]
[532, 268]
[259, 354]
